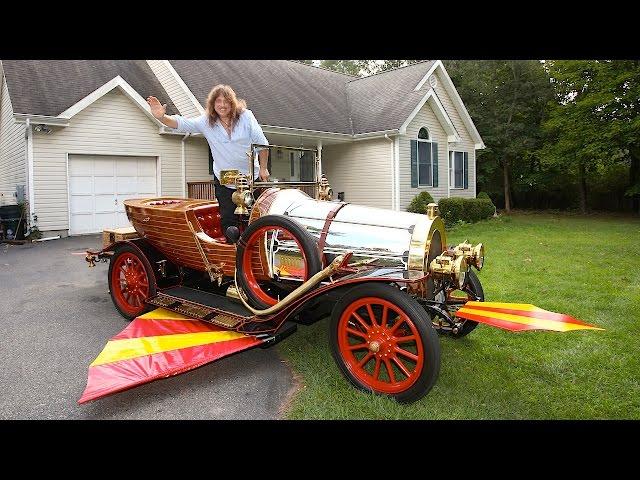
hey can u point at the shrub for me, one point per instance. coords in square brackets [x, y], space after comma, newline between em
[455, 209]
[484, 195]
[420, 202]
[451, 209]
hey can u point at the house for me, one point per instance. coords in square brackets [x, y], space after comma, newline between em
[77, 137]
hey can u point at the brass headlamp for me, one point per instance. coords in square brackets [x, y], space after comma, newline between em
[242, 196]
[448, 264]
[474, 255]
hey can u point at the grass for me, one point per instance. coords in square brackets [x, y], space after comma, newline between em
[587, 267]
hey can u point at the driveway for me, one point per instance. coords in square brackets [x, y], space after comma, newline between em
[56, 316]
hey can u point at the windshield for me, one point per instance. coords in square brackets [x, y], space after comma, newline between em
[289, 167]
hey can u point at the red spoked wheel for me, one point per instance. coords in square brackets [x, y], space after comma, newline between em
[276, 232]
[384, 342]
[131, 281]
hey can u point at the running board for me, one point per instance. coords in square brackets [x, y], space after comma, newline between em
[283, 332]
[205, 306]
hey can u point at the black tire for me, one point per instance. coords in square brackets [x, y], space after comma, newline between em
[120, 255]
[424, 333]
[305, 239]
[473, 286]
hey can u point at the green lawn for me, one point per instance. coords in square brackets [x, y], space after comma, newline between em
[588, 267]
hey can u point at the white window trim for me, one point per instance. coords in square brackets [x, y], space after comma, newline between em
[430, 142]
[418, 162]
[450, 165]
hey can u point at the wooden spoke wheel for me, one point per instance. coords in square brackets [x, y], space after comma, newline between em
[276, 228]
[131, 281]
[384, 342]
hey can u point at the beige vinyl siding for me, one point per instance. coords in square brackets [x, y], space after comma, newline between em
[176, 92]
[12, 151]
[465, 145]
[112, 125]
[424, 118]
[362, 170]
[197, 160]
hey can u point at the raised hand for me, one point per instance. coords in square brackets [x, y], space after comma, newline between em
[157, 109]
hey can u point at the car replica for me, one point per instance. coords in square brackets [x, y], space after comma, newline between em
[387, 279]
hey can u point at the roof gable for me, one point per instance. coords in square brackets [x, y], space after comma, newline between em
[384, 101]
[51, 87]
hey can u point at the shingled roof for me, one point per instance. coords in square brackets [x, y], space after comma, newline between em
[49, 87]
[281, 93]
[384, 101]
[290, 94]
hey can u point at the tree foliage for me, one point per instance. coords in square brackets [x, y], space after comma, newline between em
[557, 133]
[506, 100]
[593, 123]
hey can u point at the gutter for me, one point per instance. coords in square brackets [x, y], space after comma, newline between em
[41, 119]
[380, 134]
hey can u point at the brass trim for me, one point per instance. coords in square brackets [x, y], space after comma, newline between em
[432, 211]
[298, 292]
[421, 242]
[228, 177]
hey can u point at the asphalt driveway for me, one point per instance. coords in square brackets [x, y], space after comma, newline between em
[56, 316]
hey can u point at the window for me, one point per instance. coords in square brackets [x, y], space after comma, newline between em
[293, 164]
[457, 171]
[425, 159]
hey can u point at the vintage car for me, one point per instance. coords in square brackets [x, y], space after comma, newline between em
[388, 279]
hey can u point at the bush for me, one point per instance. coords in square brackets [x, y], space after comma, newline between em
[484, 195]
[455, 209]
[420, 202]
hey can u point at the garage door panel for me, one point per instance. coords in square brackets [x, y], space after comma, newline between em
[81, 204]
[146, 185]
[81, 185]
[104, 203]
[81, 166]
[126, 185]
[99, 185]
[127, 167]
[147, 167]
[104, 220]
[123, 221]
[82, 223]
[103, 167]
[104, 185]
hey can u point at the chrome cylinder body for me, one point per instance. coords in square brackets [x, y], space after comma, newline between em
[382, 237]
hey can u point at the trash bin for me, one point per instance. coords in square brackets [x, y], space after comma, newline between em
[10, 217]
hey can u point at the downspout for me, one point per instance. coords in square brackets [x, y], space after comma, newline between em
[393, 173]
[184, 167]
[29, 152]
[320, 156]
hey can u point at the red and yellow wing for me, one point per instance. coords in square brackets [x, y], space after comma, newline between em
[520, 316]
[157, 345]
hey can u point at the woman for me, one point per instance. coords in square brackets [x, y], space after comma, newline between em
[230, 128]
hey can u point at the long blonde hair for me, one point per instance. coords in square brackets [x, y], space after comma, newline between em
[237, 104]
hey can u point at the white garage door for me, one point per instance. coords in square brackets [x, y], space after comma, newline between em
[98, 185]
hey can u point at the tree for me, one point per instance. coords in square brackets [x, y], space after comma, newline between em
[593, 124]
[350, 67]
[507, 101]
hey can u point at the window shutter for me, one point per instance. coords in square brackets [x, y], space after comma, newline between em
[434, 163]
[414, 163]
[466, 169]
[210, 162]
